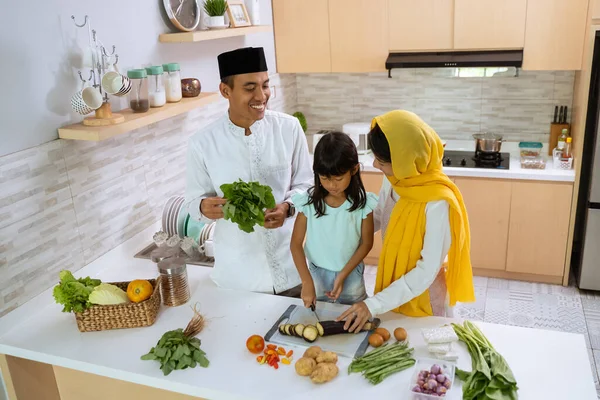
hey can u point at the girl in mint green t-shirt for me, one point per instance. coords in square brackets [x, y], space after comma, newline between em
[336, 218]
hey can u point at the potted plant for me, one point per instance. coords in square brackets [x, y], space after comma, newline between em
[301, 119]
[215, 9]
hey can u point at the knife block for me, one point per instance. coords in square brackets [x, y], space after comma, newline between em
[555, 131]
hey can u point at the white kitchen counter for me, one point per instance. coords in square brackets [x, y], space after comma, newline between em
[515, 171]
[547, 364]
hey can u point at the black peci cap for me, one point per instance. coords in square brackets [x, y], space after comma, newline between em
[246, 60]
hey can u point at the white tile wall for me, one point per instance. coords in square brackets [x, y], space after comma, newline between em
[520, 108]
[65, 203]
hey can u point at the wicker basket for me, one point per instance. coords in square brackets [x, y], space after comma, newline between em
[119, 316]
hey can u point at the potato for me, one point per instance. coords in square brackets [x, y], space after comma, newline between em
[384, 333]
[327, 357]
[400, 334]
[312, 352]
[305, 366]
[375, 340]
[324, 372]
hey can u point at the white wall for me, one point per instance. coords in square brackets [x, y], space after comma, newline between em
[40, 47]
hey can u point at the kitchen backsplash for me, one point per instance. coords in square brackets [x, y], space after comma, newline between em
[65, 203]
[520, 108]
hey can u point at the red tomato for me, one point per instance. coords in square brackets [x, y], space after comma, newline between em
[255, 344]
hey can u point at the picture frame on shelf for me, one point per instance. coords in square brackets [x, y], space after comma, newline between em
[238, 14]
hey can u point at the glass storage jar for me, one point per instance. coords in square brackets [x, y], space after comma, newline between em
[174, 288]
[172, 82]
[156, 88]
[531, 155]
[138, 96]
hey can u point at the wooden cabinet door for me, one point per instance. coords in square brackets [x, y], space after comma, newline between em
[595, 9]
[489, 24]
[301, 30]
[488, 208]
[358, 32]
[372, 182]
[554, 34]
[539, 225]
[420, 24]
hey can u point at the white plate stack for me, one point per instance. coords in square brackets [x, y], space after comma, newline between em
[207, 233]
[170, 215]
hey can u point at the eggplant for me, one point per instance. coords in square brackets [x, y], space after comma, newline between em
[320, 329]
[281, 329]
[310, 333]
[287, 329]
[336, 328]
[299, 330]
[293, 330]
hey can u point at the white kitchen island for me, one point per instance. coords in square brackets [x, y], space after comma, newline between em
[546, 364]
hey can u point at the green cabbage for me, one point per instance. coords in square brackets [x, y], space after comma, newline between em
[107, 294]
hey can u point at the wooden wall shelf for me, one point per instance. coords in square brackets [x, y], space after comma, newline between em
[136, 120]
[200, 36]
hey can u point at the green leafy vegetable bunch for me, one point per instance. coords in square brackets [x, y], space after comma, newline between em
[246, 203]
[73, 293]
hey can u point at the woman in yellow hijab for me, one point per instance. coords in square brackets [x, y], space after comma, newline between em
[423, 219]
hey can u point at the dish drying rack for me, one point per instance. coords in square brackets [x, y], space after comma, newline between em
[101, 61]
[194, 257]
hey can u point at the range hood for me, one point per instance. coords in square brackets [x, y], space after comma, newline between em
[455, 59]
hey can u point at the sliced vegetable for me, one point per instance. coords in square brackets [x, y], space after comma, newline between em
[310, 333]
[320, 329]
[335, 327]
[298, 330]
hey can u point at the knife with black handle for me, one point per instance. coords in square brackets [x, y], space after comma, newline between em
[560, 115]
[555, 120]
[564, 120]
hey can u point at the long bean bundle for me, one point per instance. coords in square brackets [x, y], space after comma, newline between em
[383, 362]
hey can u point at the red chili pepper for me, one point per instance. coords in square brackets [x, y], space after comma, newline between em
[289, 354]
[272, 347]
[276, 366]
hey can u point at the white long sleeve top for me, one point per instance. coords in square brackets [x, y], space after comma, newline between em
[435, 248]
[275, 154]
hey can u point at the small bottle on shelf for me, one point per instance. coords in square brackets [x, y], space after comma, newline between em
[567, 152]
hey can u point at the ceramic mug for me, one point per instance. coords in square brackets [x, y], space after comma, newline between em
[86, 100]
[208, 248]
[115, 83]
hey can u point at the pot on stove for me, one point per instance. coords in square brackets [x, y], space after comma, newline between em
[487, 142]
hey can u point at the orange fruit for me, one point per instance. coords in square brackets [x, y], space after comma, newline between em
[139, 290]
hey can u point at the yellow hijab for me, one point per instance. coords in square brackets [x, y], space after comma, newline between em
[416, 154]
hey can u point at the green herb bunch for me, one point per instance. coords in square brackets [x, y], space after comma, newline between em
[491, 377]
[73, 293]
[179, 349]
[215, 8]
[246, 202]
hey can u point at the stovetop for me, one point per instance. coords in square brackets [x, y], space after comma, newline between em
[469, 159]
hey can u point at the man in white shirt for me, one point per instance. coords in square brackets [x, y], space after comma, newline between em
[249, 143]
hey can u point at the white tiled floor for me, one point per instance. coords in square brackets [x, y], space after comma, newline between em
[534, 305]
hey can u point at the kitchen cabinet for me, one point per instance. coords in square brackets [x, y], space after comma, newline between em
[488, 207]
[595, 9]
[539, 225]
[555, 33]
[420, 25]
[372, 182]
[489, 24]
[302, 35]
[358, 31]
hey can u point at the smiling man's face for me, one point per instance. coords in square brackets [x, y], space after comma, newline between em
[247, 98]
